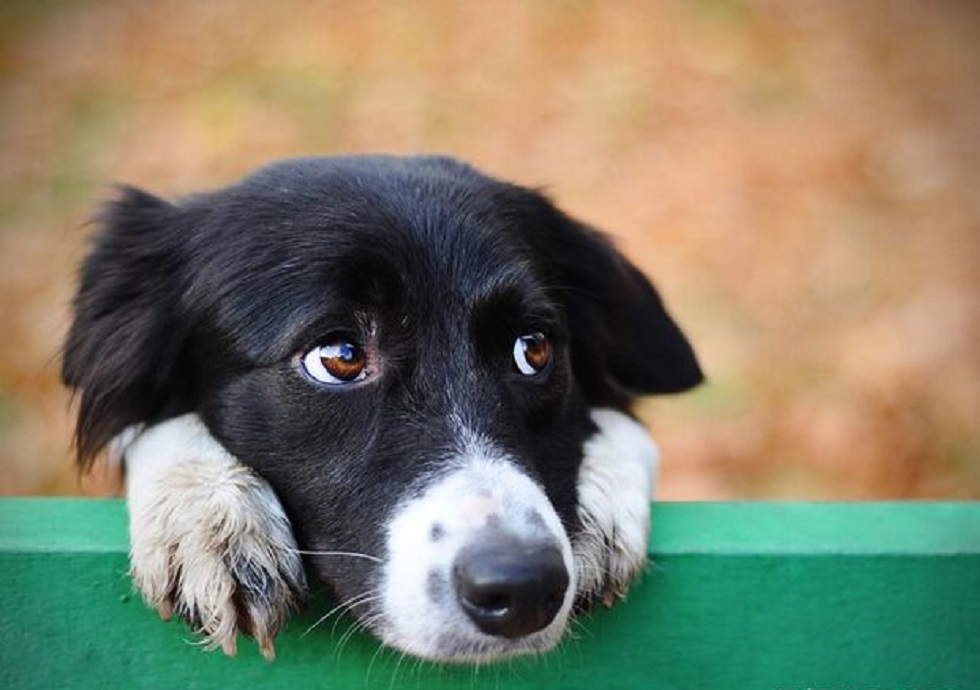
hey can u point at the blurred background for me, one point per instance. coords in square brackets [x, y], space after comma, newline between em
[801, 180]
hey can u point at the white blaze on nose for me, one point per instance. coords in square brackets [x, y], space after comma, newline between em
[477, 509]
[420, 610]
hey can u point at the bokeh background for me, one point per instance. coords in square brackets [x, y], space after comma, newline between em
[801, 179]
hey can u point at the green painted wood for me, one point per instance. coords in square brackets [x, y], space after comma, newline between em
[756, 595]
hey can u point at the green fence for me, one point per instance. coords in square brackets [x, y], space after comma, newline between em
[767, 596]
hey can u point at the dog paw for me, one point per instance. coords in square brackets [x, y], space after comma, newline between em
[209, 539]
[615, 486]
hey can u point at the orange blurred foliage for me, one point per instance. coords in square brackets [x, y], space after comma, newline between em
[799, 178]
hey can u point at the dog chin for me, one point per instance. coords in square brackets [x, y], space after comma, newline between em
[474, 648]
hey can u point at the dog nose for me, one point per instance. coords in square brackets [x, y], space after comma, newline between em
[510, 589]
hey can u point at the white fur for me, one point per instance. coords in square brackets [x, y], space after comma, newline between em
[615, 486]
[194, 509]
[484, 484]
[195, 513]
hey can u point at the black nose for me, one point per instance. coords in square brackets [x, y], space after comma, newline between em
[510, 589]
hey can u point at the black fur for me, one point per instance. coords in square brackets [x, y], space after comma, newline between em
[208, 305]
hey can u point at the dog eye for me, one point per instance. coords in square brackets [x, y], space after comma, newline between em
[337, 362]
[532, 353]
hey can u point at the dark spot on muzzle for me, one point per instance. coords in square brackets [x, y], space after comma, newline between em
[436, 587]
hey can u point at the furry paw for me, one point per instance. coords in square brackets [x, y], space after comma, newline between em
[615, 486]
[209, 539]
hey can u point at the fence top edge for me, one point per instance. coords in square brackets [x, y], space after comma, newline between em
[72, 525]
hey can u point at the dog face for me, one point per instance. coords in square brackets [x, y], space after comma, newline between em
[407, 351]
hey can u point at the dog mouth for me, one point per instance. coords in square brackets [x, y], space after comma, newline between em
[479, 568]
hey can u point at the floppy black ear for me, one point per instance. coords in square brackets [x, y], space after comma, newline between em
[121, 354]
[624, 343]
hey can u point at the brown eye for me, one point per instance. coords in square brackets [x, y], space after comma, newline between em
[532, 353]
[336, 363]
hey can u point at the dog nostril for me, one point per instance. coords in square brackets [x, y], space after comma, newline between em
[510, 589]
[491, 603]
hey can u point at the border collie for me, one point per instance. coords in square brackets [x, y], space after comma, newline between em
[408, 376]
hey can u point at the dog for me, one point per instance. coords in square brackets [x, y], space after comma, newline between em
[410, 378]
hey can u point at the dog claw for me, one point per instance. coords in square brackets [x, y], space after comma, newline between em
[211, 544]
[267, 648]
[615, 591]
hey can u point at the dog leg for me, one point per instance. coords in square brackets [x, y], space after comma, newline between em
[615, 486]
[209, 539]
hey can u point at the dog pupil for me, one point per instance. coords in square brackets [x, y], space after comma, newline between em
[344, 360]
[347, 352]
[536, 350]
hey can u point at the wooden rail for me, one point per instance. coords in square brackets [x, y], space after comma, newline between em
[766, 596]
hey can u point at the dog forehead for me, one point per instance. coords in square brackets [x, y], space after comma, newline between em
[317, 236]
[383, 189]
[434, 210]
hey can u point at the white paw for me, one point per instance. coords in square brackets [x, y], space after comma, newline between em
[615, 486]
[209, 539]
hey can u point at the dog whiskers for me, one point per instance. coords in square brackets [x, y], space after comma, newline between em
[374, 657]
[363, 625]
[344, 607]
[359, 625]
[351, 554]
[394, 674]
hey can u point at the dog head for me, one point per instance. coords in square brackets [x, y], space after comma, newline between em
[407, 351]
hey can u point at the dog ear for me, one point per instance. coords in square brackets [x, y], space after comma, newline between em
[623, 341]
[122, 350]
